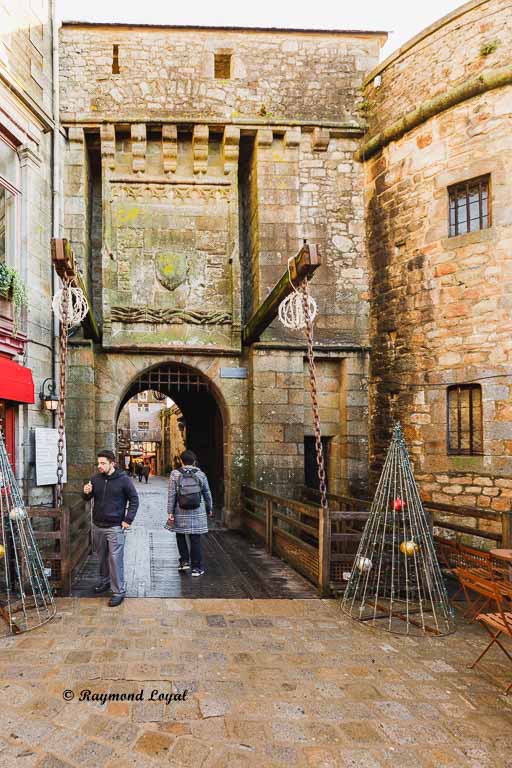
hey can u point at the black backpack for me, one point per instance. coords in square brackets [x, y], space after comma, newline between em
[189, 489]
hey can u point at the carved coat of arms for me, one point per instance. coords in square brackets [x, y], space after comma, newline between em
[171, 268]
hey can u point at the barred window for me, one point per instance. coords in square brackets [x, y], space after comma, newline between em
[465, 420]
[469, 206]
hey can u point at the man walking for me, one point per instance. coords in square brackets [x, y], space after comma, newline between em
[112, 492]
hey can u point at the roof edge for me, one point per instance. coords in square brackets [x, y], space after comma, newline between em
[126, 24]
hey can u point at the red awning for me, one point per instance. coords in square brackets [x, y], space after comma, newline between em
[15, 382]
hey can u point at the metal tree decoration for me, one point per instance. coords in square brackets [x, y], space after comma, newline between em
[396, 583]
[26, 599]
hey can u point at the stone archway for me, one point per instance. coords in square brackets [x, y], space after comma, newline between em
[102, 380]
[204, 411]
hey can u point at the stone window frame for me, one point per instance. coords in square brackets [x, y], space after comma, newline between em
[456, 394]
[463, 190]
[220, 57]
[13, 187]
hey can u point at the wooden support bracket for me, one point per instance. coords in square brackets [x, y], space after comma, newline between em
[67, 269]
[303, 265]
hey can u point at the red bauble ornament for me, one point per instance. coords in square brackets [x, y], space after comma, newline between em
[397, 504]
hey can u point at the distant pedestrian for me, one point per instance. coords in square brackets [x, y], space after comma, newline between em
[115, 504]
[189, 503]
[146, 469]
[138, 471]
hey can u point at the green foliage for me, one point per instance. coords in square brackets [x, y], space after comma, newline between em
[488, 48]
[12, 285]
[364, 107]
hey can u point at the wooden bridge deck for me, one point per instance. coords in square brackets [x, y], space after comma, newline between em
[235, 567]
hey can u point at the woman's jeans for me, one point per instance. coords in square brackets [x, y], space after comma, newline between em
[194, 557]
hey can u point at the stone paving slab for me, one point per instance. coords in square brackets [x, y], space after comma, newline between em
[248, 683]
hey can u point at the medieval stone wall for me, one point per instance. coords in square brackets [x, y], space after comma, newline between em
[475, 38]
[171, 72]
[441, 307]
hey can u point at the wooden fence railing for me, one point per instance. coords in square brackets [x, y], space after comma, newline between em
[323, 548]
[480, 528]
[318, 546]
[63, 543]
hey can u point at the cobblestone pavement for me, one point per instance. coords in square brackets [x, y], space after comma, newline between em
[235, 567]
[268, 682]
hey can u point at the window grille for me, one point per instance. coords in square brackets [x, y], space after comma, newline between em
[465, 420]
[469, 206]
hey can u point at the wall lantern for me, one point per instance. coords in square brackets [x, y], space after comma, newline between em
[48, 395]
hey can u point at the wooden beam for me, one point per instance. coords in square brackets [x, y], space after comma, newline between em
[303, 265]
[67, 269]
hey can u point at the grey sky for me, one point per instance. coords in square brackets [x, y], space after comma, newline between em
[402, 18]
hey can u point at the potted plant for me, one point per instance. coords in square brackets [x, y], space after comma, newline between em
[12, 290]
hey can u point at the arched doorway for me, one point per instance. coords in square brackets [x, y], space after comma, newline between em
[203, 412]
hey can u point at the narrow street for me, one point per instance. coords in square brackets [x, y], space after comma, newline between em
[235, 567]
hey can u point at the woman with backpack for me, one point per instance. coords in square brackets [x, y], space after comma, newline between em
[189, 503]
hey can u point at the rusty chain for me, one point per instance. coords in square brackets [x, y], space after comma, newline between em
[61, 411]
[314, 397]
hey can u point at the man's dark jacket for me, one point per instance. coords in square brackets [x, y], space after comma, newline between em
[111, 493]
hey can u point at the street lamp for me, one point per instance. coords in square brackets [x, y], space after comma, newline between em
[48, 396]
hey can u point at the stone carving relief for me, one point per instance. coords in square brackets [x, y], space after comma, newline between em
[168, 316]
[171, 269]
[176, 192]
[172, 244]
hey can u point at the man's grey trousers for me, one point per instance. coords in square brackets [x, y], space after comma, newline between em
[108, 543]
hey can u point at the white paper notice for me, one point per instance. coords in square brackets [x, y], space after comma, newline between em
[46, 456]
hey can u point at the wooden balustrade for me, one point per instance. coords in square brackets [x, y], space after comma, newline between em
[323, 548]
[488, 529]
[318, 546]
[64, 543]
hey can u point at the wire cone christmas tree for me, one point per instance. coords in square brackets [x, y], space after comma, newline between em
[395, 582]
[26, 599]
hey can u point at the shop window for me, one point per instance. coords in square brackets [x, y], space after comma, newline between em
[9, 199]
[469, 206]
[7, 421]
[465, 420]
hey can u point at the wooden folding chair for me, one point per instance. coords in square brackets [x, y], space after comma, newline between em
[476, 563]
[496, 624]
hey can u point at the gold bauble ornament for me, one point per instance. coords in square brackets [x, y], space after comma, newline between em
[364, 564]
[408, 548]
[2, 550]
